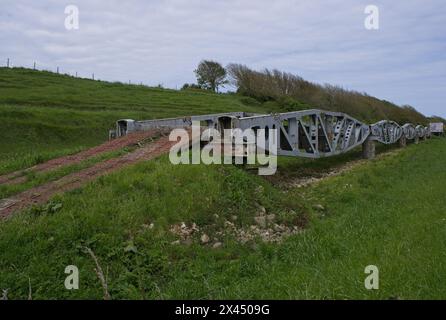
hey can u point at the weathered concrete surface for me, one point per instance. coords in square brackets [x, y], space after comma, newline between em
[368, 149]
[403, 141]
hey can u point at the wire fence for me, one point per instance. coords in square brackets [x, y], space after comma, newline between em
[58, 70]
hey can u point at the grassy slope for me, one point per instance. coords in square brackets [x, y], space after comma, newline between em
[45, 115]
[388, 212]
[39, 88]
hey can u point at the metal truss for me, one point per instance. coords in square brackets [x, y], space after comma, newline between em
[309, 133]
[217, 121]
[421, 131]
[386, 131]
[409, 131]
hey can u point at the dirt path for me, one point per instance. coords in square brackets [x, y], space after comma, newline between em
[43, 193]
[113, 145]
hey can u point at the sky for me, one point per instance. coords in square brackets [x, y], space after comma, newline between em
[162, 42]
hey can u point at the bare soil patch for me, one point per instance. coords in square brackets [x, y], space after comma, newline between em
[17, 177]
[42, 193]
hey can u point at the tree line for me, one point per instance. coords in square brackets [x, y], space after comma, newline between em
[293, 93]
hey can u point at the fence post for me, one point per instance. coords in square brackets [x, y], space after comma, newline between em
[7, 63]
[34, 66]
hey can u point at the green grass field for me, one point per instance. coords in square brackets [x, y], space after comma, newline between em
[45, 115]
[388, 212]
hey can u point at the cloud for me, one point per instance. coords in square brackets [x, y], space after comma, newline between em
[161, 41]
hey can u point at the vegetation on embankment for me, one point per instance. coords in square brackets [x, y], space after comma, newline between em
[45, 115]
[31, 179]
[387, 212]
[291, 93]
[25, 87]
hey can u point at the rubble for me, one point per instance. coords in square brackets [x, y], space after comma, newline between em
[264, 228]
[204, 238]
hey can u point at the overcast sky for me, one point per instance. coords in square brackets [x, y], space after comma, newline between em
[162, 41]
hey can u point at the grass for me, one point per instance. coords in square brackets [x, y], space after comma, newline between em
[45, 89]
[38, 178]
[45, 115]
[291, 168]
[33, 135]
[387, 212]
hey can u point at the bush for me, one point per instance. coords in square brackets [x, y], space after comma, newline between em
[294, 93]
[191, 86]
[249, 101]
[288, 104]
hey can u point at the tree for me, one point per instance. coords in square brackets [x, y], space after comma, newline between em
[210, 75]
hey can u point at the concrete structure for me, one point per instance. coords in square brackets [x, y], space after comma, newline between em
[403, 141]
[368, 148]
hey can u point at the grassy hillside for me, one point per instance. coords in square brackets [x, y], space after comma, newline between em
[388, 212]
[47, 114]
[44, 115]
[45, 89]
